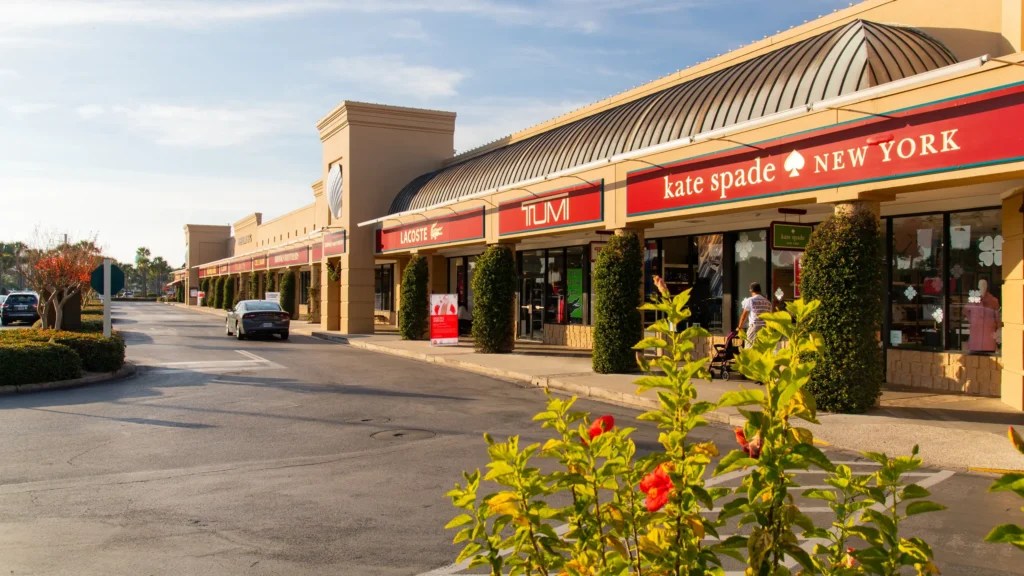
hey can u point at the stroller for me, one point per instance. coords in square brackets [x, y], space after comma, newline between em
[725, 355]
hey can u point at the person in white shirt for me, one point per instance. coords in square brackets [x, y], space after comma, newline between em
[753, 307]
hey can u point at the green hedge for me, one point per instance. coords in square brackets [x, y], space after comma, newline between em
[218, 292]
[96, 353]
[415, 303]
[229, 293]
[251, 287]
[844, 268]
[288, 292]
[618, 279]
[494, 295]
[27, 361]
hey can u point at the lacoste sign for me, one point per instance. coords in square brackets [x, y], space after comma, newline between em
[572, 206]
[468, 225]
[938, 137]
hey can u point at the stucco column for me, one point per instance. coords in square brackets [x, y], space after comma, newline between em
[330, 296]
[1012, 379]
[437, 273]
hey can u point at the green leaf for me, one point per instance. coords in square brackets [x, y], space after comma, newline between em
[1012, 481]
[741, 398]
[650, 343]
[818, 494]
[813, 455]
[913, 492]
[733, 461]
[459, 521]
[1006, 534]
[1016, 440]
[470, 549]
[867, 534]
[922, 506]
[885, 525]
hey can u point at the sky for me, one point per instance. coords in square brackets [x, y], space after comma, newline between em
[127, 119]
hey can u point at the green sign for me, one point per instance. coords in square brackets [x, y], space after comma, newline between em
[116, 279]
[791, 236]
[575, 281]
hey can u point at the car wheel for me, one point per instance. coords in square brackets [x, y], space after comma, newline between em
[284, 335]
[227, 328]
[238, 333]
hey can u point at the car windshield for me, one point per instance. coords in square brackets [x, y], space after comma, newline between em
[262, 307]
[21, 299]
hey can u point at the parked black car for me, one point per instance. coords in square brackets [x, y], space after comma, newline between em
[251, 317]
[19, 307]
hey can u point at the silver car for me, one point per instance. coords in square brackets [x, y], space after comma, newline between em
[251, 317]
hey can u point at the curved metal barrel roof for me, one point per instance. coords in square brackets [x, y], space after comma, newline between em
[853, 57]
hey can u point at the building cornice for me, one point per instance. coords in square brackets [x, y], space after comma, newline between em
[383, 116]
[318, 188]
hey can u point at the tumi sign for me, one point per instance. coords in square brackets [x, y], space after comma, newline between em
[293, 257]
[572, 206]
[459, 227]
[942, 136]
[334, 243]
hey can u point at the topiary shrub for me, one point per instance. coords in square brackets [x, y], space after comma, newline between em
[288, 292]
[252, 287]
[412, 317]
[844, 268]
[218, 292]
[494, 294]
[229, 293]
[618, 278]
[28, 361]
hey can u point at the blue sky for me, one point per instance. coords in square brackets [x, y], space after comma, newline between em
[130, 118]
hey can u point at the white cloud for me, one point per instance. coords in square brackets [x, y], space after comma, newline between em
[408, 29]
[584, 15]
[90, 111]
[479, 124]
[150, 208]
[28, 108]
[391, 75]
[189, 126]
[8, 73]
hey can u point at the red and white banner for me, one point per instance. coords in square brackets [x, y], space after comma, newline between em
[572, 206]
[468, 225]
[444, 320]
[223, 269]
[243, 266]
[334, 243]
[293, 257]
[956, 134]
[259, 263]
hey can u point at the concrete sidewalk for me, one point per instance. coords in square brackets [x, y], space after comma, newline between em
[953, 431]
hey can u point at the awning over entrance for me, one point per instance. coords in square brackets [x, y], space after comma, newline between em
[841, 61]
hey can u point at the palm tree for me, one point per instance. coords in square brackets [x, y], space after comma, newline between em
[159, 269]
[142, 264]
[12, 255]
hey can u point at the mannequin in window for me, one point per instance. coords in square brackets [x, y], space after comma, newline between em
[983, 318]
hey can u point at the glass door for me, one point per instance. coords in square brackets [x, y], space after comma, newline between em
[531, 314]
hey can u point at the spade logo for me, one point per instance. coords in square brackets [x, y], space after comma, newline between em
[794, 164]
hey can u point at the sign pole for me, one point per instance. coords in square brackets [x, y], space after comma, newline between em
[106, 297]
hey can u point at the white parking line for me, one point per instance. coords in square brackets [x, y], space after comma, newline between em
[254, 362]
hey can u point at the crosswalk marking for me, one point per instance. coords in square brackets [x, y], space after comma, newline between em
[252, 362]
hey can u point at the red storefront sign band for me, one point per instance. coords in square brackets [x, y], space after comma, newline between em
[334, 243]
[293, 257]
[572, 206]
[468, 225]
[974, 130]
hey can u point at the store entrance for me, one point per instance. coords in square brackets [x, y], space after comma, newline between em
[531, 314]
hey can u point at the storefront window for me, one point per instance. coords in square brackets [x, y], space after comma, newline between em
[652, 268]
[556, 306]
[784, 271]
[749, 265]
[384, 287]
[457, 279]
[975, 281]
[575, 278]
[531, 294]
[470, 272]
[706, 298]
[916, 295]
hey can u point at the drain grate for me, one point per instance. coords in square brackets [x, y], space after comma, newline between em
[367, 420]
[396, 435]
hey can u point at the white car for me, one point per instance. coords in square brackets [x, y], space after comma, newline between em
[2, 298]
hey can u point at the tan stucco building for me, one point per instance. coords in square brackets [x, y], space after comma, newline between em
[907, 108]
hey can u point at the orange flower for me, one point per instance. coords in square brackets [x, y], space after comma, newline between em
[601, 425]
[662, 287]
[752, 447]
[657, 485]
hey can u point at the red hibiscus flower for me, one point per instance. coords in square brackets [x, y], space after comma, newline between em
[601, 425]
[753, 447]
[657, 485]
[849, 561]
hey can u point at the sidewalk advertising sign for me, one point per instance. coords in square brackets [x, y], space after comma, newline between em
[273, 297]
[200, 295]
[444, 320]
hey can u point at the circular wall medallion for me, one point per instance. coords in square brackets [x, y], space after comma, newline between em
[334, 178]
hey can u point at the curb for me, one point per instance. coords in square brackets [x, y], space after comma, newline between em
[126, 371]
[576, 389]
